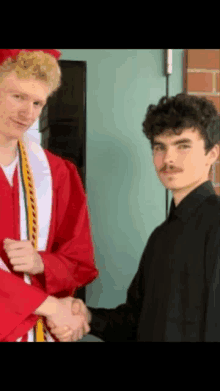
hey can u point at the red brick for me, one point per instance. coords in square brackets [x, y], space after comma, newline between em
[204, 58]
[199, 82]
[214, 99]
[217, 82]
[185, 70]
[217, 173]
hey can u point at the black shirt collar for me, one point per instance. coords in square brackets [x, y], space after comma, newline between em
[191, 202]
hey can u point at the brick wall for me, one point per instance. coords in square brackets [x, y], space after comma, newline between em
[202, 78]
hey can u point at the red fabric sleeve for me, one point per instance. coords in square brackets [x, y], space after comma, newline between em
[15, 308]
[69, 258]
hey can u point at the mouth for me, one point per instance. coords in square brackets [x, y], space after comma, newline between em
[170, 173]
[19, 123]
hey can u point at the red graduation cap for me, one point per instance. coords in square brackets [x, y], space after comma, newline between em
[12, 53]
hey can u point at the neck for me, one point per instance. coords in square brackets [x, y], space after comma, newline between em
[180, 194]
[8, 148]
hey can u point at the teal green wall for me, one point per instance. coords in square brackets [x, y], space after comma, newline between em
[126, 198]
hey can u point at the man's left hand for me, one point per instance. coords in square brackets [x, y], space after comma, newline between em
[23, 257]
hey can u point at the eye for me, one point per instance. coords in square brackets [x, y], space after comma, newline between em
[158, 147]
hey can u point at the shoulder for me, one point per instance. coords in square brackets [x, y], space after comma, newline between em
[62, 170]
[152, 240]
[213, 200]
[211, 214]
[59, 164]
[211, 207]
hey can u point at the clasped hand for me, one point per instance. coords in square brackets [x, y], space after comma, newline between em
[23, 256]
[74, 326]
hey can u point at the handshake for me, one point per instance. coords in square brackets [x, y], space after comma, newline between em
[70, 320]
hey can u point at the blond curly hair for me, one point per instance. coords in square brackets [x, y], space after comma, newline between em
[38, 65]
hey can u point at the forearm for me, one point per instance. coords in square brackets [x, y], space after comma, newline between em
[115, 324]
[62, 272]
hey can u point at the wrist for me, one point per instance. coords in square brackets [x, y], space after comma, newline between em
[48, 307]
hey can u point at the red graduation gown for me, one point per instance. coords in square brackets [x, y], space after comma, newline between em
[68, 259]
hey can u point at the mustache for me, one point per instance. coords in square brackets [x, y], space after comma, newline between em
[171, 168]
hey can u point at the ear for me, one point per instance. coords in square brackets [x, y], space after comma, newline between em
[214, 153]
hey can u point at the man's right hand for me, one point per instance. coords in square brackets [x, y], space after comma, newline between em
[72, 326]
[78, 309]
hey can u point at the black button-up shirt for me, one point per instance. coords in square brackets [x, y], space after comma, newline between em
[175, 294]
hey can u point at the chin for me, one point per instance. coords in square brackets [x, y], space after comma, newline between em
[170, 185]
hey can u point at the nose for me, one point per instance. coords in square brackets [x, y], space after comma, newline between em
[27, 111]
[169, 159]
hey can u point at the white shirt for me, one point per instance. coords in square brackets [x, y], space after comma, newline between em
[9, 173]
[9, 170]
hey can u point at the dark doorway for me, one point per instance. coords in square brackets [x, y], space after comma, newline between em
[63, 122]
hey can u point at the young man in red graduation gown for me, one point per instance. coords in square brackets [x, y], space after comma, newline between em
[34, 281]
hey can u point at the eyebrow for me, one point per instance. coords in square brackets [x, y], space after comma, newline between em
[22, 93]
[182, 141]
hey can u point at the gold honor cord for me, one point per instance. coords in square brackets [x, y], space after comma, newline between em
[32, 219]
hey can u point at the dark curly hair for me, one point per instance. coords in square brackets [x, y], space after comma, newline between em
[180, 112]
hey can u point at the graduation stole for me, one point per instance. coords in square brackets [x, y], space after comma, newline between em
[31, 217]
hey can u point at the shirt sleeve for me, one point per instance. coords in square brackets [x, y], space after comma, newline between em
[69, 259]
[212, 312]
[120, 324]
